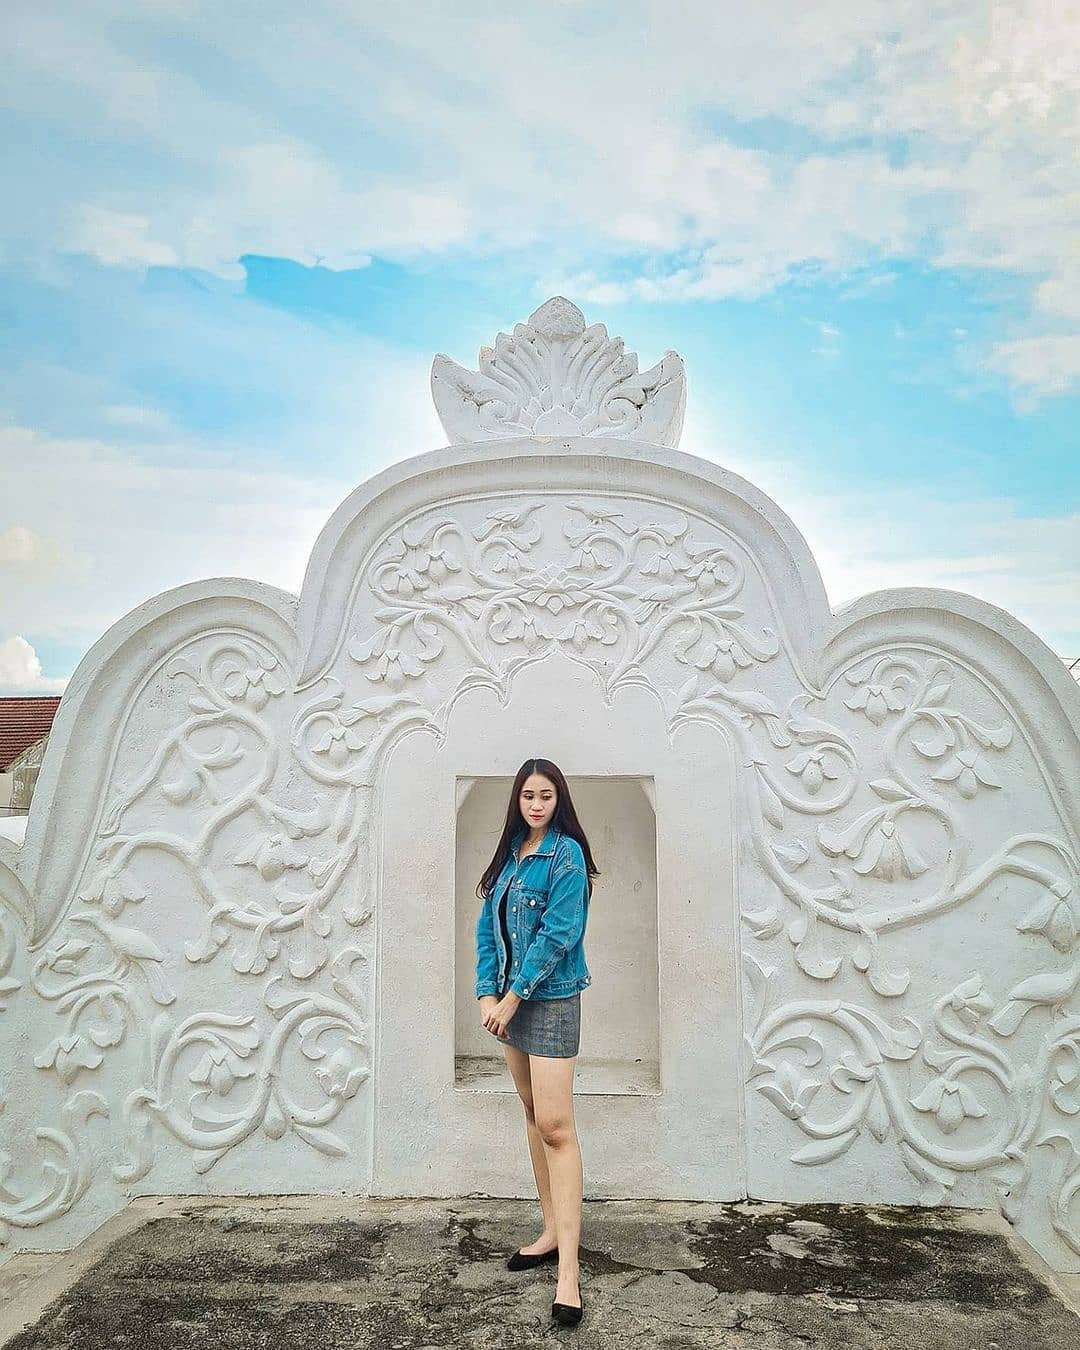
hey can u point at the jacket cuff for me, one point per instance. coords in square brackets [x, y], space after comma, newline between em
[482, 989]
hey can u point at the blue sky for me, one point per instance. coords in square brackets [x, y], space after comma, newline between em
[236, 236]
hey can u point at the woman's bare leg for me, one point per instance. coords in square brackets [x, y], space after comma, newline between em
[553, 1107]
[518, 1063]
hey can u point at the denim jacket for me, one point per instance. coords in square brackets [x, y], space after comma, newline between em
[547, 907]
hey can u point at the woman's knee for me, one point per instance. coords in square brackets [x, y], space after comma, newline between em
[555, 1127]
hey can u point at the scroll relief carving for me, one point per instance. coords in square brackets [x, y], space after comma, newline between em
[265, 874]
[223, 1049]
[865, 804]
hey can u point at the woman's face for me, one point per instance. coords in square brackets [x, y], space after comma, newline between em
[538, 800]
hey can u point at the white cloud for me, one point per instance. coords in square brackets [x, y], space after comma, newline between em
[118, 240]
[868, 539]
[133, 527]
[26, 556]
[20, 670]
[19, 545]
[608, 137]
[1049, 364]
[146, 420]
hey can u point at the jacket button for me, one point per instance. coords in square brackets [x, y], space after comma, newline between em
[532, 902]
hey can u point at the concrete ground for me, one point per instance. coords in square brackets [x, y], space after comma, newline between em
[298, 1272]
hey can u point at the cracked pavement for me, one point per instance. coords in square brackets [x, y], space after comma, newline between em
[332, 1272]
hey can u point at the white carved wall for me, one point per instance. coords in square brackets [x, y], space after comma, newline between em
[212, 930]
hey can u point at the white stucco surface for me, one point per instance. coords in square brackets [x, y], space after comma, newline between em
[13, 828]
[236, 942]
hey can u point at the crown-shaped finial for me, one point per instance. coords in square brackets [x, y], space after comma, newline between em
[553, 376]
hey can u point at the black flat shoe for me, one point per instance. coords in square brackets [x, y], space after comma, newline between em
[519, 1260]
[567, 1314]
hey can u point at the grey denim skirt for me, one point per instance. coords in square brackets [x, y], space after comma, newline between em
[546, 1026]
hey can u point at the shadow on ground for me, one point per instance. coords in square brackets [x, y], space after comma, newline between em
[403, 1275]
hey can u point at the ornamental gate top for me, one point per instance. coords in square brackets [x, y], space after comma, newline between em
[553, 376]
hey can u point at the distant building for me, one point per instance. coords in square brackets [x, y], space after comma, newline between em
[25, 723]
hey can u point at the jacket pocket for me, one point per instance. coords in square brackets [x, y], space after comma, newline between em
[531, 905]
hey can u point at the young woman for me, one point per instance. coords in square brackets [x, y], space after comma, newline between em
[530, 971]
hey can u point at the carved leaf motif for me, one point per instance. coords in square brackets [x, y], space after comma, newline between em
[1051, 916]
[555, 377]
[324, 1140]
[812, 958]
[764, 923]
[824, 1150]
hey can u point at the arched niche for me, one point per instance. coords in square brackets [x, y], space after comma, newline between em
[664, 958]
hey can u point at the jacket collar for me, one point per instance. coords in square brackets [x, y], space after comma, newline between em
[547, 844]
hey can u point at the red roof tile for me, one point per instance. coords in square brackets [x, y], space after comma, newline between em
[24, 720]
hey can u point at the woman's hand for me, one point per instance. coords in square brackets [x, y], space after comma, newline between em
[498, 1013]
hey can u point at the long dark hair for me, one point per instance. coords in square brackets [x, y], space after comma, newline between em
[565, 820]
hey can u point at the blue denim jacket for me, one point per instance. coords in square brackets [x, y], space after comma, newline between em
[547, 908]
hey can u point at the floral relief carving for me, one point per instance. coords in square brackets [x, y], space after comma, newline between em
[859, 804]
[222, 1053]
[553, 376]
[95, 996]
[222, 762]
[617, 586]
[965, 1076]
[66, 1167]
[859, 796]
[624, 597]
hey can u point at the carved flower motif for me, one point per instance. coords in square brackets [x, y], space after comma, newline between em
[511, 560]
[585, 629]
[812, 768]
[789, 1091]
[554, 590]
[712, 572]
[950, 1101]
[65, 958]
[1052, 916]
[113, 891]
[589, 560]
[393, 665]
[723, 656]
[886, 855]
[271, 856]
[427, 566]
[67, 1055]
[970, 1001]
[876, 701]
[338, 742]
[256, 685]
[876, 847]
[662, 567]
[219, 1070]
[341, 1075]
[968, 769]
